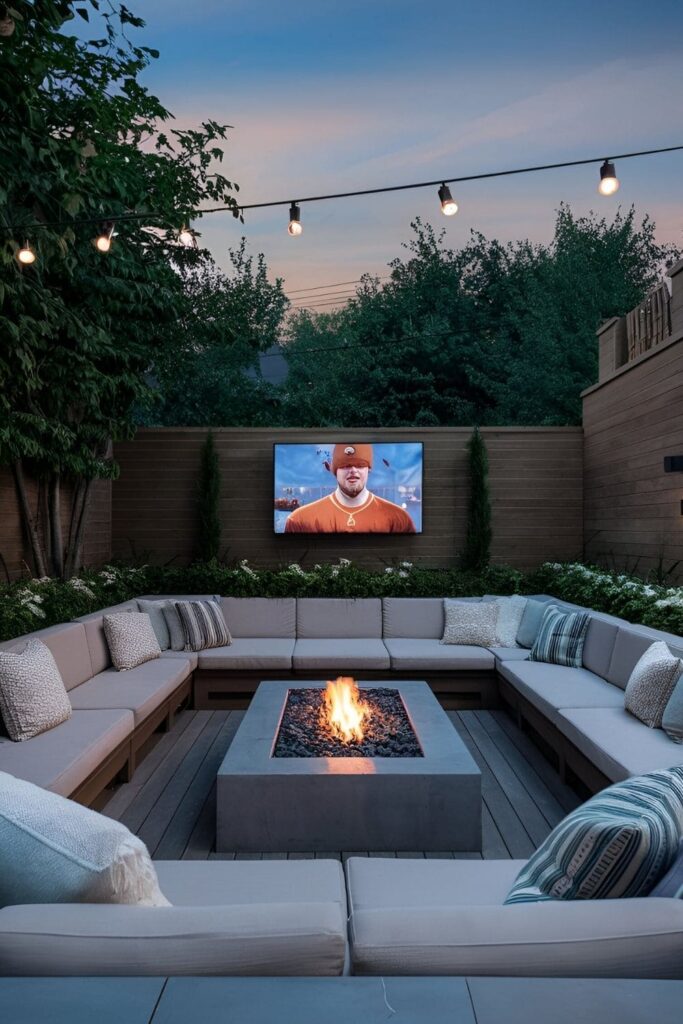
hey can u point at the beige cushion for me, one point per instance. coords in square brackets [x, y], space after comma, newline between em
[338, 618]
[131, 639]
[418, 917]
[69, 646]
[63, 758]
[249, 653]
[340, 655]
[228, 918]
[470, 622]
[432, 655]
[260, 616]
[617, 743]
[651, 684]
[94, 631]
[33, 697]
[141, 689]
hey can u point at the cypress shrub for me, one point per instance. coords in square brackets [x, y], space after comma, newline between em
[207, 502]
[477, 552]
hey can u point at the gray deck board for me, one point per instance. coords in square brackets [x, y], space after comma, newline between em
[170, 803]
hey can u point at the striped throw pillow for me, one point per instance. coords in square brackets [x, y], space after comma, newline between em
[203, 625]
[618, 844]
[561, 637]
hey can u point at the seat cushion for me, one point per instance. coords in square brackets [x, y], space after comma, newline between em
[336, 654]
[510, 653]
[230, 918]
[191, 657]
[141, 689]
[68, 644]
[249, 653]
[551, 687]
[617, 845]
[260, 616]
[53, 850]
[338, 618]
[420, 617]
[430, 917]
[433, 655]
[61, 759]
[617, 743]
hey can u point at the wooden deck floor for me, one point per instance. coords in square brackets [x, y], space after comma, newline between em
[170, 803]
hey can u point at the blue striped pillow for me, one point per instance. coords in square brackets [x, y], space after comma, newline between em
[560, 638]
[618, 844]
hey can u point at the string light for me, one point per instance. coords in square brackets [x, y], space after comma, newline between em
[295, 227]
[26, 254]
[448, 203]
[609, 183]
[103, 241]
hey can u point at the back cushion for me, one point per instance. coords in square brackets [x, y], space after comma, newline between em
[598, 646]
[418, 617]
[94, 631]
[630, 645]
[338, 618]
[68, 645]
[260, 616]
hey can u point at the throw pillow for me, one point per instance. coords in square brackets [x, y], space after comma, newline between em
[203, 625]
[131, 639]
[53, 850]
[531, 622]
[651, 684]
[561, 637]
[33, 697]
[671, 885]
[175, 626]
[672, 719]
[470, 622]
[510, 611]
[618, 844]
[155, 610]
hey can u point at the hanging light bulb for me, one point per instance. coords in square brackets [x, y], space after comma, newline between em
[448, 203]
[103, 241]
[295, 226]
[26, 254]
[609, 183]
[187, 237]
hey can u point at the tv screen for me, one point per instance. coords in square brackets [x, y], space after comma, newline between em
[350, 487]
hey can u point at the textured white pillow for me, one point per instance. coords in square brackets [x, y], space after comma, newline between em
[33, 697]
[53, 850]
[470, 622]
[651, 683]
[131, 638]
[510, 611]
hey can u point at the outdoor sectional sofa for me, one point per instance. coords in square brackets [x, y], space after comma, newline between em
[306, 917]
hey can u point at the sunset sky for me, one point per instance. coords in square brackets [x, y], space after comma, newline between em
[329, 97]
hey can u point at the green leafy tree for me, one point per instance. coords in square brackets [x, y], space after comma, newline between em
[81, 139]
[477, 551]
[207, 502]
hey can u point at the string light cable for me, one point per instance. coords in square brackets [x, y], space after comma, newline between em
[608, 185]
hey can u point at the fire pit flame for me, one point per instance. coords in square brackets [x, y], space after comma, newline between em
[344, 709]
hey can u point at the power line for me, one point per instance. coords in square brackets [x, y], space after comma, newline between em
[237, 208]
[346, 347]
[334, 284]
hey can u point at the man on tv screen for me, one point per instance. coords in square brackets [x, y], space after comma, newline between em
[351, 507]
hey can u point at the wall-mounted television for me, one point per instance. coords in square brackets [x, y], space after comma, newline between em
[348, 487]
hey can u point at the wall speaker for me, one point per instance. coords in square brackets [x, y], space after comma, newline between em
[673, 463]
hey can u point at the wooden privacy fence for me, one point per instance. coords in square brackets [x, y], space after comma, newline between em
[650, 322]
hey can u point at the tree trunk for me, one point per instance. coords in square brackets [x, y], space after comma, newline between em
[54, 504]
[79, 518]
[28, 519]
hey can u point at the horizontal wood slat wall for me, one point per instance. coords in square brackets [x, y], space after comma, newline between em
[536, 479]
[97, 547]
[631, 421]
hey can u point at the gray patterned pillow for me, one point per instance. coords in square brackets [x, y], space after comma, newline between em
[175, 627]
[131, 639]
[33, 697]
[470, 622]
[651, 683]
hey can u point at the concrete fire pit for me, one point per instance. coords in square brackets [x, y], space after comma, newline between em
[269, 804]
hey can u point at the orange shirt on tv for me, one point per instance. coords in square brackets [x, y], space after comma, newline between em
[327, 515]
